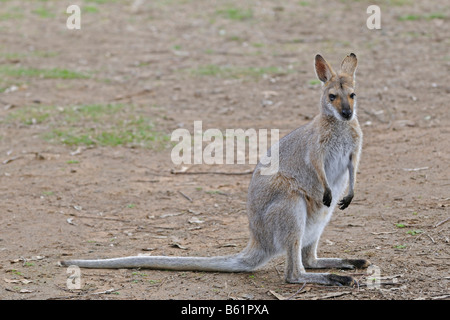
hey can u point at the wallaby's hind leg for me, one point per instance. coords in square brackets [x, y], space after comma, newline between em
[310, 260]
[295, 271]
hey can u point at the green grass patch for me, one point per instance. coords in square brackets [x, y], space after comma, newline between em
[430, 16]
[4, 16]
[236, 72]
[90, 125]
[236, 14]
[44, 13]
[414, 232]
[90, 9]
[100, 1]
[409, 17]
[314, 82]
[55, 73]
[436, 15]
[37, 53]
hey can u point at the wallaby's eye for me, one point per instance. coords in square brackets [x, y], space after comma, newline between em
[353, 95]
[332, 97]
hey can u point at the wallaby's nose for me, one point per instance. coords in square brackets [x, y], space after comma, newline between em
[346, 113]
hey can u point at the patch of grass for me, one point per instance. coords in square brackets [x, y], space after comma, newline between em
[257, 45]
[100, 1]
[55, 73]
[381, 2]
[154, 281]
[431, 16]
[96, 124]
[90, 9]
[414, 232]
[235, 38]
[236, 14]
[314, 82]
[409, 17]
[400, 225]
[72, 161]
[213, 192]
[236, 72]
[4, 16]
[436, 15]
[16, 272]
[400, 246]
[44, 13]
[29, 116]
[19, 55]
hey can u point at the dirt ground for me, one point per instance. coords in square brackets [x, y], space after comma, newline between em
[88, 183]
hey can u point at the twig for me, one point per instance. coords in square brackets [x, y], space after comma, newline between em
[104, 292]
[187, 197]
[431, 238]
[441, 222]
[11, 159]
[332, 295]
[101, 218]
[445, 296]
[384, 232]
[290, 297]
[416, 169]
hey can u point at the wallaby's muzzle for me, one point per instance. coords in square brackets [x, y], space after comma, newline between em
[346, 113]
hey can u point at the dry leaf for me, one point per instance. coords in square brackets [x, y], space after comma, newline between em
[195, 220]
[26, 291]
[277, 295]
[177, 245]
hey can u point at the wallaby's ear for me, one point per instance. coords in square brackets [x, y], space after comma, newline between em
[323, 69]
[349, 64]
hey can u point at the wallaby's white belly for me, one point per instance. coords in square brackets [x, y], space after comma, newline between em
[337, 175]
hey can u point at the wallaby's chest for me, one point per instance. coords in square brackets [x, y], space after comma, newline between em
[337, 155]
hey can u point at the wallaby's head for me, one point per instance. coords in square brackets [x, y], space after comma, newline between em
[338, 95]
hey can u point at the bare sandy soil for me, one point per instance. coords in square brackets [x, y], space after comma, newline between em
[86, 117]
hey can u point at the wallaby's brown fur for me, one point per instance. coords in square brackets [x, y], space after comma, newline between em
[289, 209]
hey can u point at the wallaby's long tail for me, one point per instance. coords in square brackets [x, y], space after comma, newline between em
[224, 264]
[246, 261]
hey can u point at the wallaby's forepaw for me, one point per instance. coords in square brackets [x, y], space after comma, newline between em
[344, 203]
[327, 197]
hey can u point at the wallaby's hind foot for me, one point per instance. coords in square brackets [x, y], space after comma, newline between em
[323, 278]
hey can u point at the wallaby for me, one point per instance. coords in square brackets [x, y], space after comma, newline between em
[288, 210]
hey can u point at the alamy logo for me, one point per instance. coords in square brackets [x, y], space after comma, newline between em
[235, 143]
[374, 20]
[74, 20]
[74, 279]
